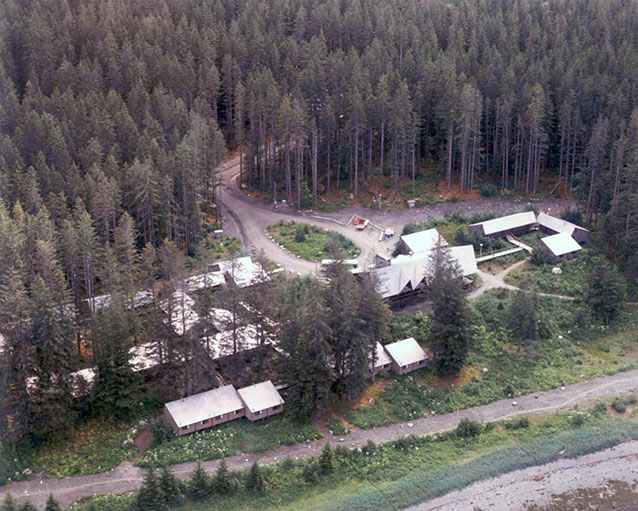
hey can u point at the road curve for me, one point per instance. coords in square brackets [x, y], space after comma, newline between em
[126, 477]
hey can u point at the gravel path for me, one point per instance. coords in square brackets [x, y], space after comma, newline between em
[516, 490]
[247, 218]
[127, 477]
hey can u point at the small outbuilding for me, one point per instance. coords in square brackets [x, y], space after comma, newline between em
[518, 223]
[381, 362]
[553, 225]
[261, 400]
[406, 355]
[205, 410]
[562, 246]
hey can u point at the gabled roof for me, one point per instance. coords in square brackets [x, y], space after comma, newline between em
[406, 352]
[260, 396]
[199, 407]
[558, 224]
[381, 358]
[505, 223]
[391, 280]
[465, 258]
[422, 241]
[561, 244]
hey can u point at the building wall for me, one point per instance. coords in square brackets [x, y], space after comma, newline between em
[377, 370]
[268, 412]
[580, 235]
[209, 423]
[408, 369]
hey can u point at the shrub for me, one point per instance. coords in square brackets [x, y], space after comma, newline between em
[487, 189]
[599, 408]
[369, 448]
[578, 420]
[468, 428]
[619, 406]
[311, 472]
[572, 215]
[518, 423]
[300, 235]
[162, 432]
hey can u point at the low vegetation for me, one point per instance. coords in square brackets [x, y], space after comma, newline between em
[570, 347]
[229, 439]
[397, 474]
[311, 242]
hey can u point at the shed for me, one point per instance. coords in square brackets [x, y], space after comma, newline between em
[406, 355]
[554, 225]
[204, 410]
[382, 361]
[261, 400]
[421, 241]
[502, 226]
[562, 246]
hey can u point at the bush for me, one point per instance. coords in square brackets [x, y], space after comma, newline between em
[300, 235]
[162, 432]
[578, 420]
[369, 448]
[518, 423]
[469, 429]
[572, 215]
[619, 406]
[599, 408]
[311, 472]
[327, 460]
[487, 189]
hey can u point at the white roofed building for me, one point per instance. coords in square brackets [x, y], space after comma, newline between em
[261, 400]
[422, 241]
[406, 355]
[181, 310]
[561, 246]
[243, 271]
[500, 227]
[204, 410]
[552, 225]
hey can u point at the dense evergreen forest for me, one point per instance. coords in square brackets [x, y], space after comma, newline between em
[114, 116]
[128, 106]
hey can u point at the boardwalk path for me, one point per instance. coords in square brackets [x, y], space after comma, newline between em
[127, 477]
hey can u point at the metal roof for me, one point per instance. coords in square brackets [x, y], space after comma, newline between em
[381, 357]
[561, 244]
[260, 396]
[199, 407]
[505, 223]
[423, 241]
[558, 224]
[406, 352]
[204, 280]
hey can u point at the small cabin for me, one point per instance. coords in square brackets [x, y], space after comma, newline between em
[406, 355]
[561, 247]
[261, 400]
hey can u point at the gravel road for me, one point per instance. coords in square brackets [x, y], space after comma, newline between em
[127, 477]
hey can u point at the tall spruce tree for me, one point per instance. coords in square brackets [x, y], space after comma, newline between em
[450, 335]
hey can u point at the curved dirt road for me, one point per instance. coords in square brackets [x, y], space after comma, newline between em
[127, 477]
[247, 219]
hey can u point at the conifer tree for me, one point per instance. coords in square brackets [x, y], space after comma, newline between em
[222, 482]
[450, 335]
[170, 487]
[199, 486]
[150, 496]
[327, 460]
[255, 479]
[52, 504]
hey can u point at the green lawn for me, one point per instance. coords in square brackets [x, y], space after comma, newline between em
[311, 242]
[415, 469]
